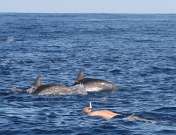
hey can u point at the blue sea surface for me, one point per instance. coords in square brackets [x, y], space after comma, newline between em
[136, 52]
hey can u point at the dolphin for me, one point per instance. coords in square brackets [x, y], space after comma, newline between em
[94, 85]
[38, 88]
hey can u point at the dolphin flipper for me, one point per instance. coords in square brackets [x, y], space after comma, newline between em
[16, 90]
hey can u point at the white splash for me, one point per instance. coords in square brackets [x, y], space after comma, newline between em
[90, 104]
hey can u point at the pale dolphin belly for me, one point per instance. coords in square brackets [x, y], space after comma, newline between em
[99, 86]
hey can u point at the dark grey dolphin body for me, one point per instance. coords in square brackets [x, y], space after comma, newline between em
[94, 85]
[54, 89]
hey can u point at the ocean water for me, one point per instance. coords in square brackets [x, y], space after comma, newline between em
[136, 52]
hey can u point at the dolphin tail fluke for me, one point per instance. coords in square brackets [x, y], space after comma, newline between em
[80, 77]
[16, 90]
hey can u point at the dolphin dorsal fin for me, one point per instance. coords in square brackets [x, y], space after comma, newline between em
[38, 81]
[80, 76]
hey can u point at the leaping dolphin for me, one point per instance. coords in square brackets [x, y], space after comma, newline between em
[94, 85]
[54, 89]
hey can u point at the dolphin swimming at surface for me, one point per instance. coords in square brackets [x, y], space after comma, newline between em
[54, 89]
[94, 85]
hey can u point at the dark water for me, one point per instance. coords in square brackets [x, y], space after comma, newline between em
[137, 52]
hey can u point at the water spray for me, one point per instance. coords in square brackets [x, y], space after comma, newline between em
[90, 104]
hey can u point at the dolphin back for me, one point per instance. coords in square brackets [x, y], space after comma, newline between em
[60, 90]
[95, 85]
